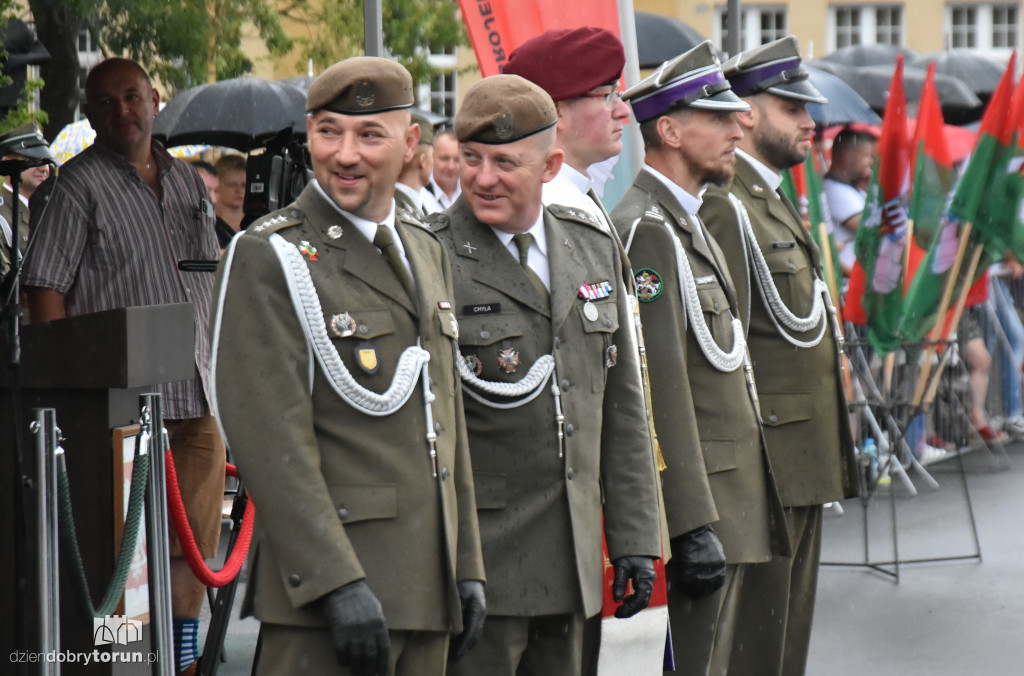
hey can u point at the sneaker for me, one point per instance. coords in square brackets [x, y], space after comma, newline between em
[930, 454]
[938, 442]
[1014, 427]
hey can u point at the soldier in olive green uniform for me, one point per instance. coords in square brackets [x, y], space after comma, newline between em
[723, 510]
[337, 389]
[794, 344]
[409, 192]
[553, 400]
[24, 143]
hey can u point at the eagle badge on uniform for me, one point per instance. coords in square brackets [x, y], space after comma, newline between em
[342, 325]
[648, 285]
[307, 249]
[475, 365]
[508, 359]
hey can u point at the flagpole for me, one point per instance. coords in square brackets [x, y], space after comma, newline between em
[830, 281]
[958, 312]
[936, 332]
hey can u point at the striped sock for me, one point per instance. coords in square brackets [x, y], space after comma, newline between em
[186, 642]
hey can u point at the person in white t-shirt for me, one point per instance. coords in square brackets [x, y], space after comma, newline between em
[853, 157]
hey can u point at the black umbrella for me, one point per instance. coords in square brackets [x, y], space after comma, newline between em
[872, 83]
[240, 113]
[870, 55]
[977, 71]
[660, 38]
[844, 104]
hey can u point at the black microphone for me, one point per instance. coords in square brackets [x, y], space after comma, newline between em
[12, 167]
[197, 266]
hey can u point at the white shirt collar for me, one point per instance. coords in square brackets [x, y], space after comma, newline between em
[767, 175]
[581, 180]
[411, 193]
[689, 203]
[368, 228]
[537, 230]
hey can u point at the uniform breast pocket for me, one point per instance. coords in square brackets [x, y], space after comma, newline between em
[491, 345]
[600, 321]
[365, 340]
[790, 273]
[714, 305]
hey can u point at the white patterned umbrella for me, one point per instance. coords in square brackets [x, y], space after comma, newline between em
[77, 136]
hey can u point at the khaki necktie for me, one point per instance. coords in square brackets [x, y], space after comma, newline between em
[523, 242]
[385, 241]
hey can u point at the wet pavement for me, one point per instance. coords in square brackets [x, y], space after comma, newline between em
[949, 614]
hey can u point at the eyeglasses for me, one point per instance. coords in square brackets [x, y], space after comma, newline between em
[611, 99]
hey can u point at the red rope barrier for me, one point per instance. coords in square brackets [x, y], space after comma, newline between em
[176, 509]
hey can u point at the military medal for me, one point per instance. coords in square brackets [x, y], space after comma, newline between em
[335, 231]
[648, 285]
[508, 360]
[342, 325]
[590, 311]
[475, 365]
[611, 355]
[595, 291]
[366, 357]
[307, 249]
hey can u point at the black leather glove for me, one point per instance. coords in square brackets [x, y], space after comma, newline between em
[358, 629]
[698, 562]
[474, 610]
[639, 569]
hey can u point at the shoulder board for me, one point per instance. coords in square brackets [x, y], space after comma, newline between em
[654, 213]
[574, 214]
[273, 222]
[437, 221]
[410, 219]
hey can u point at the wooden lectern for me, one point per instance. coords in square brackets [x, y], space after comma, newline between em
[91, 369]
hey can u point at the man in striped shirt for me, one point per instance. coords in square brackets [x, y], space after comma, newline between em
[108, 233]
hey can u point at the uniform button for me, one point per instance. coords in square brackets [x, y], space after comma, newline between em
[569, 474]
[444, 473]
[716, 306]
[565, 385]
[608, 321]
[437, 427]
[342, 514]
[294, 580]
[569, 430]
[792, 265]
[558, 342]
[364, 329]
[773, 418]
[485, 334]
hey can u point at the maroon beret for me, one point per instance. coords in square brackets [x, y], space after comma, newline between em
[568, 62]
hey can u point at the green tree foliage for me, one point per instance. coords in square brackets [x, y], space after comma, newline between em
[412, 29]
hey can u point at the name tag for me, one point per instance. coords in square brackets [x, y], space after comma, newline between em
[483, 309]
[784, 245]
[706, 279]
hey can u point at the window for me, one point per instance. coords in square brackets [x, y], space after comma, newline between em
[964, 31]
[443, 89]
[889, 25]
[990, 27]
[865, 24]
[848, 26]
[770, 20]
[1005, 19]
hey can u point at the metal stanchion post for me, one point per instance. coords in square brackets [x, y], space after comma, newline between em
[48, 440]
[157, 537]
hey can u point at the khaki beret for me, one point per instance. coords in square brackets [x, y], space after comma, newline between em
[426, 129]
[502, 109]
[360, 86]
[774, 68]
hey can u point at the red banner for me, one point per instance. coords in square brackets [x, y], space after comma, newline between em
[497, 27]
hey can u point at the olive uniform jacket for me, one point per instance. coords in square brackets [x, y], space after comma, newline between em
[708, 427]
[801, 389]
[341, 494]
[540, 514]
